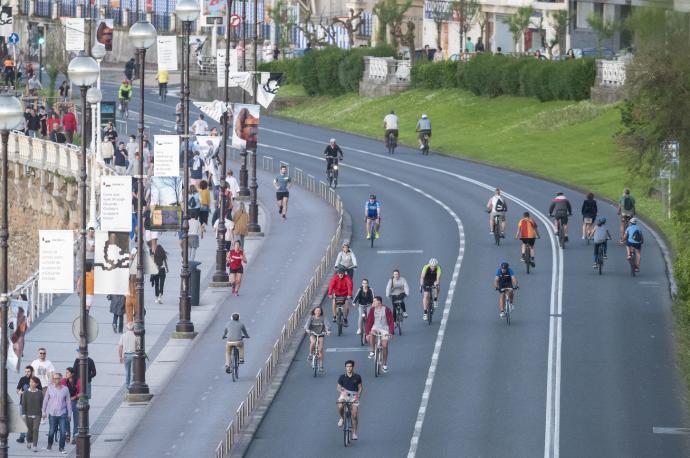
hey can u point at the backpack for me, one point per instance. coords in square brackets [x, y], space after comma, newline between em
[191, 204]
[499, 206]
[636, 236]
[628, 204]
[192, 209]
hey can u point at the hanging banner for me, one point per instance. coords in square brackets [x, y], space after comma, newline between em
[167, 154]
[214, 109]
[215, 8]
[209, 149]
[74, 33]
[167, 52]
[6, 22]
[19, 325]
[111, 263]
[220, 65]
[149, 6]
[104, 33]
[56, 262]
[268, 88]
[245, 126]
[116, 203]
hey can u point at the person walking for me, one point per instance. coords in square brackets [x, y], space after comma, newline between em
[205, 206]
[53, 120]
[241, 220]
[57, 408]
[121, 159]
[33, 123]
[107, 151]
[236, 258]
[125, 351]
[43, 119]
[43, 368]
[64, 90]
[69, 123]
[32, 404]
[229, 231]
[232, 183]
[160, 258]
[73, 385]
[91, 374]
[196, 173]
[117, 308]
[193, 235]
[23, 387]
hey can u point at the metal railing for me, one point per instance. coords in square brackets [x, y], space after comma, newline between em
[263, 377]
[611, 72]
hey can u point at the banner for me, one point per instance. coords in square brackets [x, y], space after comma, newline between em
[6, 22]
[167, 153]
[116, 203]
[245, 126]
[220, 65]
[209, 149]
[74, 34]
[167, 52]
[56, 262]
[104, 33]
[19, 324]
[214, 109]
[215, 8]
[268, 88]
[111, 263]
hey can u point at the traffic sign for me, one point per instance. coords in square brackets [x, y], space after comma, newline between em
[235, 20]
[91, 328]
[13, 39]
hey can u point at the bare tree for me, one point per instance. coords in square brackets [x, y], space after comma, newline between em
[407, 38]
[352, 23]
[390, 14]
[440, 13]
[466, 13]
[311, 30]
[560, 27]
[55, 59]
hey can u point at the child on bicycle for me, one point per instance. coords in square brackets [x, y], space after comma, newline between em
[600, 234]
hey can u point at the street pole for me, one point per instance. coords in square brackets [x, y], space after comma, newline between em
[244, 174]
[253, 225]
[92, 201]
[4, 300]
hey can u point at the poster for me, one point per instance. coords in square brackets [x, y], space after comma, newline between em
[55, 262]
[104, 33]
[209, 149]
[215, 8]
[19, 324]
[6, 22]
[74, 34]
[220, 65]
[116, 203]
[245, 126]
[111, 263]
[167, 52]
[167, 153]
[268, 88]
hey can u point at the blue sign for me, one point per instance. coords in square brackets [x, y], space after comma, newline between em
[14, 39]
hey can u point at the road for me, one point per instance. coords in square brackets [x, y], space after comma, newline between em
[587, 368]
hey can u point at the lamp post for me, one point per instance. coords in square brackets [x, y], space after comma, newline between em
[83, 72]
[253, 225]
[94, 97]
[187, 11]
[10, 117]
[142, 35]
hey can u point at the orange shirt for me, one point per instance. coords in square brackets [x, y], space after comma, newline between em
[89, 283]
[527, 228]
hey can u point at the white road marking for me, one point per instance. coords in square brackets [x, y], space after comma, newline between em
[399, 251]
[345, 350]
[553, 377]
[667, 430]
[358, 185]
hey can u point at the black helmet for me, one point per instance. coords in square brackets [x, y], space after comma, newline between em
[372, 196]
[504, 265]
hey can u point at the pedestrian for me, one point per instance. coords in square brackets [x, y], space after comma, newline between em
[59, 135]
[200, 126]
[22, 387]
[121, 159]
[32, 405]
[241, 221]
[276, 53]
[160, 258]
[33, 123]
[132, 146]
[90, 374]
[193, 235]
[130, 67]
[282, 183]
[43, 368]
[57, 408]
[229, 228]
[232, 183]
[107, 151]
[196, 169]
[469, 46]
[53, 120]
[117, 308]
[89, 285]
[125, 350]
[479, 47]
[133, 167]
[64, 90]
[236, 258]
[43, 118]
[205, 197]
[69, 123]
[34, 86]
[73, 386]
[110, 133]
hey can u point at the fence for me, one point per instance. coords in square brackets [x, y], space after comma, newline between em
[263, 378]
[611, 72]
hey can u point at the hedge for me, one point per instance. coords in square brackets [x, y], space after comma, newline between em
[493, 75]
[327, 71]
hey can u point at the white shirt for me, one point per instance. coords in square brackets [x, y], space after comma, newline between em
[43, 370]
[128, 342]
[229, 226]
[495, 199]
[390, 121]
[200, 127]
[233, 185]
[194, 226]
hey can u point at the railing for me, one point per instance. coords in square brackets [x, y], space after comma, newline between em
[263, 378]
[611, 72]
[386, 70]
[44, 8]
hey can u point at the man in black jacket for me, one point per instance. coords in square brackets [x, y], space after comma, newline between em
[91, 372]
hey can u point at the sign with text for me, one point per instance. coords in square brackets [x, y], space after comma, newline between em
[74, 33]
[7, 24]
[167, 52]
[167, 153]
[56, 262]
[116, 203]
[220, 66]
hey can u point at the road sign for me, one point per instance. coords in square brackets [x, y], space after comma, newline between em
[235, 20]
[91, 328]
[13, 39]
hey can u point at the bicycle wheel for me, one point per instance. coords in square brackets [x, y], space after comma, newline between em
[497, 230]
[528, 258]
[632, 263]
[600, 258]
[235, 363]
[339, 320]
[398, 321]
[376, 361]
[561, 237]
[362, 337]
[335, 179]
[346, 427]
[372, 232]
[315, 359]
[430, 312]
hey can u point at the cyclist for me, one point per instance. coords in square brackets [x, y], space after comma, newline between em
[317, 326]
[589, 214]
[234, 332]
[130, 68]
[527, 232]
[497, 206]
[560, 209]
[340, 286]
[349, 388]
[364, 298]
[634, 241]
[380, 322]
[423, 127]
[626, 210]
[430, 277]
[346, 258]
[600, 235]
[505, 278]
[162, 78]
[332, 152]
[390, 125]
[397, 289]
[124, 94]
[372, 210]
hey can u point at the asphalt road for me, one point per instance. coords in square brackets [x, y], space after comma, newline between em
[586, 369]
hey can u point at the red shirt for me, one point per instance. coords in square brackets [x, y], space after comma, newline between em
[70, 122]
[51, 122]
[235, 258]
[340, 287]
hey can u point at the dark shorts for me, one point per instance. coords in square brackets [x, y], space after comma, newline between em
[529, 242]
[637, 246]
[564, 218]
[281, 194]
[388, 131]
[239, 270]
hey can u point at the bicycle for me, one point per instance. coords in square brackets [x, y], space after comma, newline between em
[332, 174]
[425, 144]
[392, 144]
[362, 323]
[633, 262]
[315, 355]
[600, 257]
[124, 108]
[560, 232]
[398, 303]
[508, 303]
[433, 301]
[235, 363]
[339, 314]
[371, 230]
[347, 423]
[497, 230]
[527, 257]
[588, 229]
[378, 353]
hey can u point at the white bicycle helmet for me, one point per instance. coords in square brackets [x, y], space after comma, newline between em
[433, 262]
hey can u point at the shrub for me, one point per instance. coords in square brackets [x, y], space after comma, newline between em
[327, 62]
[351, 68]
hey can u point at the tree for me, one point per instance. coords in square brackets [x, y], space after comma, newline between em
[352, 23]
[518, 23]
[407, 38]
[559, 23]
[602, 27]
[390, 14]
[482, 20]
[282, 21]
[440, 13]
[465, 11]
[311, 30]
[56, 61]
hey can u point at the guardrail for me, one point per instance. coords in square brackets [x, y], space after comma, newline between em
[264, 376]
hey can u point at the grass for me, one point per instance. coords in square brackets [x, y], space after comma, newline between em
[292, 90]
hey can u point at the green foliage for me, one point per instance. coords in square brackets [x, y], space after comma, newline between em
[288, 67]
[519, 22]
[433, 76]
[602, 27]
[390, 14]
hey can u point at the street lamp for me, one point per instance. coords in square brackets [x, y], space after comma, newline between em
[10, 117]
[142, 35]
[98, 52]
[94, 97]
[253, 225]
[187, 11]
[83, 71]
